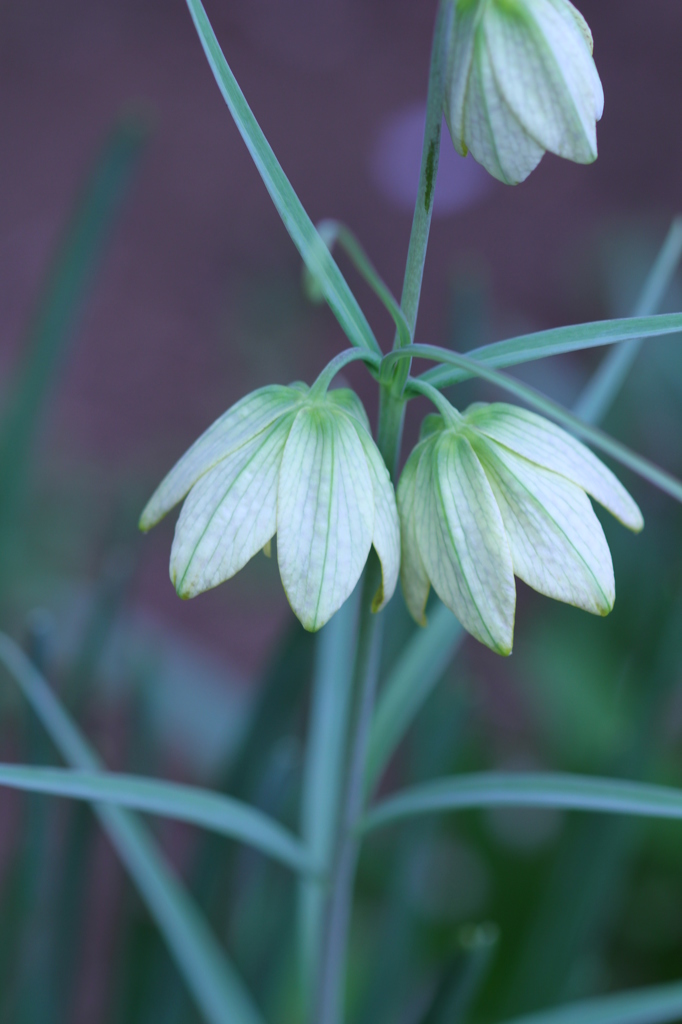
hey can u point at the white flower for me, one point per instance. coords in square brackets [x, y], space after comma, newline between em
[498, 492]
[290, 461]
[521, 80]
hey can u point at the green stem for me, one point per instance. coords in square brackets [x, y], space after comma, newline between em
[391, 402]
[331, 981]
[330, 993]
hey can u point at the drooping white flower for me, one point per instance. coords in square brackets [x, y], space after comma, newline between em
[522, 80]
[498, 492]
[292, 462]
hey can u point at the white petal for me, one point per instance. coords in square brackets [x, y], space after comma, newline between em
[241, 422]
[325, 514]
[546, 74]
[346, 399]
[230, 514]
[463, 543]
[386, 535]
[568, 11]
[413, 578]
[492, 131]
[465, 19]
[557, 543]
[546, 444]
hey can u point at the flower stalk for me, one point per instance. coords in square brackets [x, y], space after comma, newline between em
[392, 401]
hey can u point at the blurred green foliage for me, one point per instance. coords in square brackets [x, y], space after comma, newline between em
[475, 917]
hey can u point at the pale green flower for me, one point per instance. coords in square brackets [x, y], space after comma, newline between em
[498, 492]
[297, 463]
[521, 80]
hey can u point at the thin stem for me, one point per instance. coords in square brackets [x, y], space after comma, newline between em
[445, 408]
[606, 382]
[421, 223]
[330, 994]
[349, 355]
[391, 402]
[335, 233]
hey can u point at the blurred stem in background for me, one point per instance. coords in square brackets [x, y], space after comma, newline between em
[58, 311]
[594, 862]
[57, 314]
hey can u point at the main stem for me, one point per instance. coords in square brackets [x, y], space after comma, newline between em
[330, 990]
[329, 1001]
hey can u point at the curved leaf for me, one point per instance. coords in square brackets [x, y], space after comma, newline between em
[521, 789]
[541, 344]
[183, 803]
[217, 988]
[661, 1004]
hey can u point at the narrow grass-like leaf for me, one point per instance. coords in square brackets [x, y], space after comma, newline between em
[555, 790]
[609, 377]
[661, 1004]
[597, 438]
[217, 989]
[323, 776]
[418, 669]
[305, 237]
[527, 347]
[183, 803]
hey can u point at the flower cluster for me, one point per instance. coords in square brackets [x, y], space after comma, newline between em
[292, 462]
[498, 492]
[486, 495]
[521, 81]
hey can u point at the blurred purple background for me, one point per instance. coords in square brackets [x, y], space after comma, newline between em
[198, 299]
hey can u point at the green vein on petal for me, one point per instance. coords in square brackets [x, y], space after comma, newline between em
[230, 514]
[325, 514]
[542, 442]
[463, 543]
[557, 543]
[242, 421]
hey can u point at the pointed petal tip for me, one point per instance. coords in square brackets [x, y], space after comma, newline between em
[150, 516]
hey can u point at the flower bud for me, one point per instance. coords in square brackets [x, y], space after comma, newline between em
[521, 80]
[499, 492]
[291, 462]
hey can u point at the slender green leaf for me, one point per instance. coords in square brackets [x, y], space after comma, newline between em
[216, 987]
[428, 172]
[323, 774]
[574, 338]
[305, 237]
[597, 438]
[605, 383]
[500, 789]
[183, 803]
[656, 1005]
